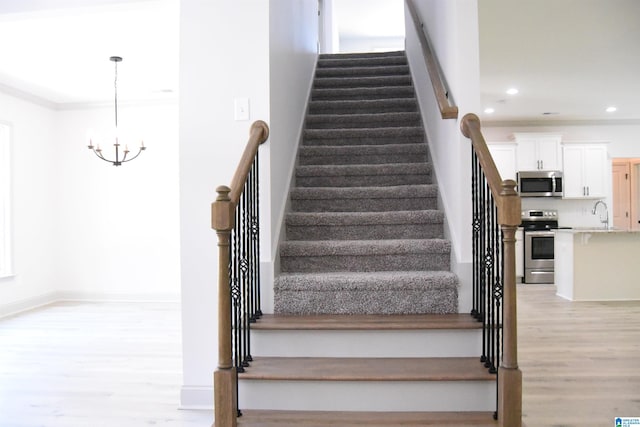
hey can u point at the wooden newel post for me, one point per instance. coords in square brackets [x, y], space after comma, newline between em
[509, 375]
[224, 379]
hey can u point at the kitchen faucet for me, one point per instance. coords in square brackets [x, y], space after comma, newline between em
[605, 221]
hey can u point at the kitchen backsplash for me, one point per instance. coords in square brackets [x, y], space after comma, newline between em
[571, 213]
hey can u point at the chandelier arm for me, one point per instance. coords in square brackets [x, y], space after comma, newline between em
[140, 150]
[101, 156]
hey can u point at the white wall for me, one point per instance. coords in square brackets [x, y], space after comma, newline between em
[624, 138]
[82, 228]
[370, 44]
[293, 56]
[453, 30]
[225, 48]
[117, 228]
[223, 56]
[33, 204]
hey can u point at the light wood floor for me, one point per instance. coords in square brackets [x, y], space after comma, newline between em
[119, 364]
[580, 361]
[94, 364]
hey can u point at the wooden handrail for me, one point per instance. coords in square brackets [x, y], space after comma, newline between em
[447, 109]
[258, 134]
[509, 217]
[509, 212]
[223, 221]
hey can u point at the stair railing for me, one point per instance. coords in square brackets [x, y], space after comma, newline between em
[235, 217]
[496, 216]
[448, 110]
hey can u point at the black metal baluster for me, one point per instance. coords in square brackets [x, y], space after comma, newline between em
[483, 269]
[246, 312]
[475, 233]
[256, 234]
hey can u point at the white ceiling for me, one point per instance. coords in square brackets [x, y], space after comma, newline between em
[571, 57]
[61, 55]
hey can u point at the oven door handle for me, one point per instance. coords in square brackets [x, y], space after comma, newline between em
[540, 233]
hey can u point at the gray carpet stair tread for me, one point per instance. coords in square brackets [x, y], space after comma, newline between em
[382, 280]
[364, 247]
[329, 82]
[397, 192]
[397, 131]
[360, 70]
[361, 93]
[364, 218]
[358, 170]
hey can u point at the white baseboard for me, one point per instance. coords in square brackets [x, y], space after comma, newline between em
[196, 397]
[118, 297]
[26, 304]
[15, 307]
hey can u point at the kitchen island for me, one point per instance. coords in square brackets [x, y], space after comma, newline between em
[597, 264]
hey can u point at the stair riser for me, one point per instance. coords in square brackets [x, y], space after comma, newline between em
[364, 159]
[360, 94]
[365, 232]
[438, 301]
[363, 107]
[363, 205]
[368, 395]
[364, 140]
[353, 82]
[362, 62]
[362, 180]
[389, 262]
[366, 121]
[348, 57]
[421, 343]
[387, 70]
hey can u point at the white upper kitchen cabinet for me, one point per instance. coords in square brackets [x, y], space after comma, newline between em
[585, 171]
[539, 151]
[504, 156]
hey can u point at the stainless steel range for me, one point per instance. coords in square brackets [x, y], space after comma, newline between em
[538, 245]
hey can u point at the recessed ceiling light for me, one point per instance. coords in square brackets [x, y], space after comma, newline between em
[550, 113]
[512, 91]
[489, 110]
[611, 109]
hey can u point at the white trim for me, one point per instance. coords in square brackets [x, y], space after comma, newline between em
[27, 304]
[196, 397]
[6, 261]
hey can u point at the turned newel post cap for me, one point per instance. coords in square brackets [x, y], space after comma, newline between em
[509, 188]
[223, 193]
[222, 210]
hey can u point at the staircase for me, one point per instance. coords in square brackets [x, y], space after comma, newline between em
[366, 330]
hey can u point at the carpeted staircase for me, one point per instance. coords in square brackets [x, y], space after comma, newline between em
[364, 235]
[366, 329]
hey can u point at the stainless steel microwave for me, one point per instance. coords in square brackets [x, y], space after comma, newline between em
[540, 183]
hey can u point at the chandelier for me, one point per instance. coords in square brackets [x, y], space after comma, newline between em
[125, 153]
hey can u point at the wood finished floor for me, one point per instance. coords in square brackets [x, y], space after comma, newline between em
[119, 364]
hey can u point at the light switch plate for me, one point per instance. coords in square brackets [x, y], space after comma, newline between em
[241, 109]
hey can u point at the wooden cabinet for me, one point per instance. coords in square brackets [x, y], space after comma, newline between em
[585, 171]
[504, 156]
[538, 151]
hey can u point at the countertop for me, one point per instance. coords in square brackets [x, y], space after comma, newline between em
[576, 230]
